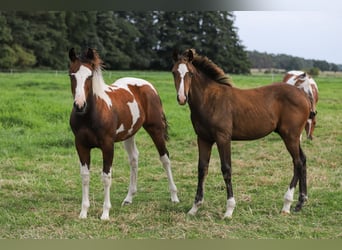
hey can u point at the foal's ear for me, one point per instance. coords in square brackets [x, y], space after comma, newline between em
[303, 75]
[175, 55]
[191, 53]
[90, 54]
[72, 55]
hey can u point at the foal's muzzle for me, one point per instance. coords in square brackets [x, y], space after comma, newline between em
[80, 110]
[182, 101]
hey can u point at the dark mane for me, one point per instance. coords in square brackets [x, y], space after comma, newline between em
[208, 67]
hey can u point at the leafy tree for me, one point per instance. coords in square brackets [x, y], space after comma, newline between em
[82, 30]
[210, 33]
[109, 37]
[146, 43]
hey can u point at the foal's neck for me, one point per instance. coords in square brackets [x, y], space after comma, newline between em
[200, 82]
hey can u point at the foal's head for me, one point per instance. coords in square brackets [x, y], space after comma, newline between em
[81, 72]
[182, 71]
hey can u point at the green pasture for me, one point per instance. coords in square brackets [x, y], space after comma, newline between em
[40, 183]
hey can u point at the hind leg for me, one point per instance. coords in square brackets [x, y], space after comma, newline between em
[133, 156]
[303, 195]
[224, 148]
[157, 135]
[299, 174]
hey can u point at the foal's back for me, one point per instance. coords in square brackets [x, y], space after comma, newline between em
[260, 111]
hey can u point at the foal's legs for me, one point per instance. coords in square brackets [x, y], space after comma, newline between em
[302, 182]
[107, 154]
[157, 135]
[204, 152]
[224, 149]
[299, 173]
[84, 156]
[133, 155]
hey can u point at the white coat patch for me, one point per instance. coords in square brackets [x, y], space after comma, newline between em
[124, 82]
[135, 112]
[120, 129]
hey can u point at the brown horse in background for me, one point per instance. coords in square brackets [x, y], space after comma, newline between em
[104, 114]
[304, 81]
[221, 113]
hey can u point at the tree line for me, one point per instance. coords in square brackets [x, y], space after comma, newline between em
[124, 39]
[281, 61]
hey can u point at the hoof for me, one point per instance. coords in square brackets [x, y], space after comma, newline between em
[227, 217]
[83, 215]
[105, 218]
[175, 200]
[126, 203]
[191, 213]
[297, 208]
[285, 212]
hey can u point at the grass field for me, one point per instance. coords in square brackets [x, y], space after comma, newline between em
[40, 184]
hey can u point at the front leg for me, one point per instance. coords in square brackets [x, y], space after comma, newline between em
[85, 174]
[204, 152]
[107, 182]
[108, 154]
[84, 156]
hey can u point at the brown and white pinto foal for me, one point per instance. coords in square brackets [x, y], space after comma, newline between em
[221, 113]
[104, 114]
[304, 81]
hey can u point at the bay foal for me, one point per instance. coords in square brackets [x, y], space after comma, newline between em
[221, 113]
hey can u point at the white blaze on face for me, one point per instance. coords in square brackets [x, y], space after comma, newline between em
[294, 76]
[182, 69]
[81, 76]
[291, 80]
[302, 82]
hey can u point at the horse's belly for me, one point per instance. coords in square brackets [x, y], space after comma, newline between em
[252, 131]
[249, 136]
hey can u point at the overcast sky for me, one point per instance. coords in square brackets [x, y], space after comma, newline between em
[308, 34]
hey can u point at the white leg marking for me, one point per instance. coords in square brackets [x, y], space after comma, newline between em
[195, 207]
[288, 199]
[85, 174]
[133, 156]
[107, 182]
[230, 208]
[167, 166]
